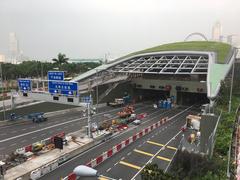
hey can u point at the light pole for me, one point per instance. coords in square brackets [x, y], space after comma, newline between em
[4, 114]
[230, 97]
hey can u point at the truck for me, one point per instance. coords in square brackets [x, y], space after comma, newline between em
[117, 102]
[193, 122]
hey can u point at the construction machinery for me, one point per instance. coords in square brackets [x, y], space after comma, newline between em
[193, 122]
[126, 112]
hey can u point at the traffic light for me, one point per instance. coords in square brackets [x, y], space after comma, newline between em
[58, 142]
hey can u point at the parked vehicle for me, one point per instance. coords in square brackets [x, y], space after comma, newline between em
[193, 122]
[117, 103]
[137, 122]
[37, 117]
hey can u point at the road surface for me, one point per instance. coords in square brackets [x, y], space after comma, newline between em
[164, 132]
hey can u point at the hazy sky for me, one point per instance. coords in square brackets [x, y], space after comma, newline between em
[91, 28]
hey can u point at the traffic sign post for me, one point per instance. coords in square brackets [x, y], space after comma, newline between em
[56, 75]
[24, 85]
[63, 87]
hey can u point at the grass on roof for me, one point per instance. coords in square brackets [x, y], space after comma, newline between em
[222, 49]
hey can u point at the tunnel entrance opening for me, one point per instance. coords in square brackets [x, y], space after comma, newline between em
[187, 98]
[150, 95]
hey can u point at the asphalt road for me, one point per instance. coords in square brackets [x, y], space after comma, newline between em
[40, 107]
[127, 164]
[16, 136]
[165, 133]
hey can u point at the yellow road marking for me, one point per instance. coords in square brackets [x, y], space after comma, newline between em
[163, 158]
[158, 144]
[154, 143]
[102, 178]
[142, 152]
[149, 154]
[129, 165]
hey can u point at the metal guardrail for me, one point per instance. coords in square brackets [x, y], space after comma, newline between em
[212, 138]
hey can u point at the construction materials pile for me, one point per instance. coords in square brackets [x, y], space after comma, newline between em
[126, 112]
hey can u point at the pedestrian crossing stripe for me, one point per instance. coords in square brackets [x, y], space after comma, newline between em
[129, 165]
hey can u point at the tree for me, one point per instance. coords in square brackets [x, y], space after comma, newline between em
[152, 172]
[60, 60]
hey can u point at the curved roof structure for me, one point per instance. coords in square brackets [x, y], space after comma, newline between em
[195, 57]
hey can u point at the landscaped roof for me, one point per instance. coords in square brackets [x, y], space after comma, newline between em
[221, 49]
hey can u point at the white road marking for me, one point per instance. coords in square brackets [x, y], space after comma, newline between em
[49, 127]
[129, 153]
[122, 158]
[115, 164]
[34, 137]
[23, 141]
[24, 129]
[108, 169]
[14, 144]
[43, 134]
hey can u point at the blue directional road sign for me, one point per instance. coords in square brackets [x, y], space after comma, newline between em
[66, 88]
[56, 75]
[24, 84]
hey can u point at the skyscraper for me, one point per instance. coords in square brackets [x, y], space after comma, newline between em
[2, 58]
[13, 48]
[217, 32]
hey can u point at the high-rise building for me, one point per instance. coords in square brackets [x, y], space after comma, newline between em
[217, 32]
[13, 48]
[2, 58]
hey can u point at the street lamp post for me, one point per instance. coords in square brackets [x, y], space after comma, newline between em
[210, 101]
[97, 91]
[230, 97]
[1, 73]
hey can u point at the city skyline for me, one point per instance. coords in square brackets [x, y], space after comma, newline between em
[91, 29]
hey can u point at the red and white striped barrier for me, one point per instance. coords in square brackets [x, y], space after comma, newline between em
[115, 149]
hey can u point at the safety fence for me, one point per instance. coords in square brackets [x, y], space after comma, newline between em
[115, 149]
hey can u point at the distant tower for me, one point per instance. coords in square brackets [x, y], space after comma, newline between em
[217, 32]
[2, 58]
[13, 48]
